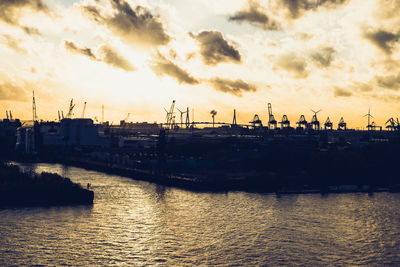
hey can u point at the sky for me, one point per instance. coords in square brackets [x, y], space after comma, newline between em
[133, 56]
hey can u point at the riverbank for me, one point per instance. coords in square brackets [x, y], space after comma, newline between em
[19, 189]
[224, 182]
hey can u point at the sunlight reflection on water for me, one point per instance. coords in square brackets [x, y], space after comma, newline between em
[138, 223]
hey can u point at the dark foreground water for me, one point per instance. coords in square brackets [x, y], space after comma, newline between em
[137, 223]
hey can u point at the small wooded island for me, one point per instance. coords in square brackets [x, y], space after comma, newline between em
[19, 189]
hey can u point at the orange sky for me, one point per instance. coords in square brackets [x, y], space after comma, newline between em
[341, 56]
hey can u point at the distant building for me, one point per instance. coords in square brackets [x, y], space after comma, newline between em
[82, 132]
[68, 132]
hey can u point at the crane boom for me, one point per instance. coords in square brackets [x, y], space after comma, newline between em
[83, 111]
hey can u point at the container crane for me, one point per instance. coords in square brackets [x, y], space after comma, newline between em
[302, 123]
[285, 123]
[342, 125]
[256, 122]
[328, 124]
[315, 121]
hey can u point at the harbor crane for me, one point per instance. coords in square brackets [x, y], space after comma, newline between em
[271, 119]
[102, 114]
[285, 123]
[394, 125]
[342, 125]
[170, 115]
[373, 126]
[123, 122]
[302, 123]
[83, 111]
[314, 120]
[213, 114]
[9, 115]
[256, 122]
[127, 117]
[328, 124]
[34, 115]
[70, 109]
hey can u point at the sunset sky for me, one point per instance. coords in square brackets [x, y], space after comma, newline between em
[137, 56]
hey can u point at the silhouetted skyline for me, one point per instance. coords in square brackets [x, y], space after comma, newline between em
[136, 57]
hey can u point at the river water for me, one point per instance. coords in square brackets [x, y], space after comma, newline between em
[138, 223]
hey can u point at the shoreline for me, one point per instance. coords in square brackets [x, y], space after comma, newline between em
[217, 186]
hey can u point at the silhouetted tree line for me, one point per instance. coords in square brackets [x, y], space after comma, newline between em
[30, 189]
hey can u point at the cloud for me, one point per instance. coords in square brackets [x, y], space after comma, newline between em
[215, 49]
[255, 16]
[340, 92]
[383, 40]
[324, 56]
[113, 58]
[293, 64]
[106, 54]
[11, 10]
[72, 47]
[163, 66]
[297, 8]
[134, 25]
[12, 91]
[235, 87]
[12, 43]
[391, 82]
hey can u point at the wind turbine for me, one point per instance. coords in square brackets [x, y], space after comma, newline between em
[181, 112]
[369, 118]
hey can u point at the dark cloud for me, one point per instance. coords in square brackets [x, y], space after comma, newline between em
[72, 47]
[296, 8]
[163, 66]
[113, 58]
[106, 54]
[10, 12]
[324, 56]
[293, 64]
[12, 43]
[235, 87]
[340, 92]
[215, 49]
[383, 40]
[255, 15]
[389, 82]
[134, 25]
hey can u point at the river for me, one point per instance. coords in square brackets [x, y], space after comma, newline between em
[139, 223]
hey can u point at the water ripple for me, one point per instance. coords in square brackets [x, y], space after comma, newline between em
[137, 223]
